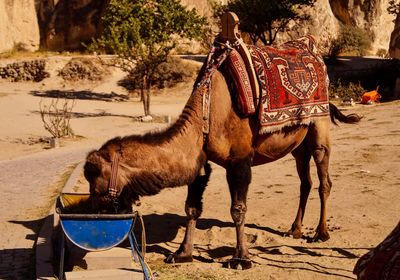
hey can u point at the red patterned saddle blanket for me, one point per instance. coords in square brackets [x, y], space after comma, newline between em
[293, 84]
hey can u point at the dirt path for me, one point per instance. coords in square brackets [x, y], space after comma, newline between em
[28, 185]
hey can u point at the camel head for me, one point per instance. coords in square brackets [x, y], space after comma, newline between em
[98, 172]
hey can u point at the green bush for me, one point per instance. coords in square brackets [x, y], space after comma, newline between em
[351, 40]
[346, 91]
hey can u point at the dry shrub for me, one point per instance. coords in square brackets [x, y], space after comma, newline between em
[56, 117]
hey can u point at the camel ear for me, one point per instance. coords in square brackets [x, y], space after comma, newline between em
[94, 164]
[95, 158]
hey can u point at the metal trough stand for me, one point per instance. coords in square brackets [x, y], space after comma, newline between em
[95, 232]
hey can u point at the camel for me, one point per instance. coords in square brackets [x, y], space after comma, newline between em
[124, 169]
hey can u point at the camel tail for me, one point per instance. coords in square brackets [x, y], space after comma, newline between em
[337, 115]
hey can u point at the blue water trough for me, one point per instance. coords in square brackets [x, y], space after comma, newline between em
[94, 232]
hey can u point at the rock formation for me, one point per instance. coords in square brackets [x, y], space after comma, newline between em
[394, 49]
[327, 15]
[322, 24]
[18, 25]
[370, 15]
[66, 24]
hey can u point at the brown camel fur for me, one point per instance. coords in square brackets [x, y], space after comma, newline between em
[176, 157]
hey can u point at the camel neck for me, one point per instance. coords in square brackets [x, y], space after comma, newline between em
[170, 158]
[181, 151]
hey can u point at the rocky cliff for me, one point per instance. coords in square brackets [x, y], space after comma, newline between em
[328, 15]
[370, 15]
[18, 25]
[65, 24]
[322, 24]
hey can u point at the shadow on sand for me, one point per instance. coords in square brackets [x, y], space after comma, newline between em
[164, 228]
[19, 263]
[81, 95]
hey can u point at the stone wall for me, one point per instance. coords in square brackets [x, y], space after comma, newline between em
[34, 70]
[18, 25]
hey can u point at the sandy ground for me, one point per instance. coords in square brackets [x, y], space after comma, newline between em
[363, 207]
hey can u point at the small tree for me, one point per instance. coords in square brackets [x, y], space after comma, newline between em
[142, 33]
[262, 19]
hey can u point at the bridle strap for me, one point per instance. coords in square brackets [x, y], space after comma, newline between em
[112, 185]
[218, 53]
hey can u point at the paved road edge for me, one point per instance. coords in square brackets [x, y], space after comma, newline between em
[44, 243]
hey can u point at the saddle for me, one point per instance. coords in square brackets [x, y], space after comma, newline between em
[240, 65]
[283, 86]
[288, 84]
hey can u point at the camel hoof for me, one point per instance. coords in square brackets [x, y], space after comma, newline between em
[320, 236]
[172, 258]
[244, 263]
[296, 234]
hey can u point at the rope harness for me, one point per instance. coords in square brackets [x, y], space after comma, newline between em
[113, 190]
[113, 193]
[217, 55]
[219, 52]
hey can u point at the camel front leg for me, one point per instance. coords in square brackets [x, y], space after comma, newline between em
[239, 177]
[193, 209]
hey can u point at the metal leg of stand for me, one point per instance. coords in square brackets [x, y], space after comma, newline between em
[62, 254]
[135, 250]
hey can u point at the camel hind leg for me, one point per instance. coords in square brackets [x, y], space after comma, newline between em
[320, 147]
[193, 209]
[303, 157]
